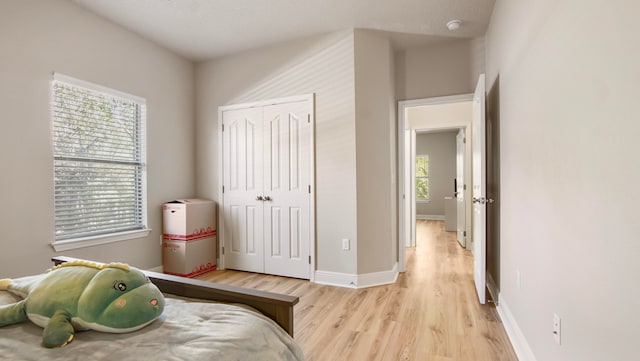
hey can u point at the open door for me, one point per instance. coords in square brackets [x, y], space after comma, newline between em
[479, 190]
[460, 198]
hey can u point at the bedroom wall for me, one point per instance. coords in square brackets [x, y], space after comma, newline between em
[448, 68]
[323, 65]
[441, 148]
[569, 76]
[375, 152]
[40, 37]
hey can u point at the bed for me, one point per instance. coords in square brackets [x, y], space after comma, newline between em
[201, 321]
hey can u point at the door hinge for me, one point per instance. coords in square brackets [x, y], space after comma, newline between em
[222, 189]
[223, 127]
[464, 187]
[309, 188]
[464, 140]
[309, 259]
[308, 117]
[464, 233]
[223, 250]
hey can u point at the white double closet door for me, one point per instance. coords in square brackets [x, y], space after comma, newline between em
[267, 173]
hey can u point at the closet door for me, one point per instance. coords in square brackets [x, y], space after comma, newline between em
[287, 162]
[242, 149]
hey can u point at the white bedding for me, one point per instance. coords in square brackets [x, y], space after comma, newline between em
[189, 330]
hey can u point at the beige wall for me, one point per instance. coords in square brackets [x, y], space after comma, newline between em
[375, 120]
[441, 149]
[568, 74]
[449, 68]
[323, 65]
[40, 37]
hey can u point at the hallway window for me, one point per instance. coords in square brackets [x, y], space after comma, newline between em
[422, 177]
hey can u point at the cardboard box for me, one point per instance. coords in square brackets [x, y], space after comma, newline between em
[189, 258]
[188, 219]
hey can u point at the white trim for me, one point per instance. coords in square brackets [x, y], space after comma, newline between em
[336, 279]
[378, 278]
[430, 217]
[435, 100]
[357, 281]
[66, 245]
[220, 231]
[97, 87]
[518, 341]
[262, 103]
[312, 180]
[412, 190]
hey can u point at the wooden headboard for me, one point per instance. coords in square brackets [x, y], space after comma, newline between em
[276, 306]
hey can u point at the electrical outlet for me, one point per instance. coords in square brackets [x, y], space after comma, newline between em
[556, 328]
[345, 244]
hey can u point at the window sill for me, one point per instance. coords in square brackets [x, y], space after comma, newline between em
[97, 240]
[423, 200]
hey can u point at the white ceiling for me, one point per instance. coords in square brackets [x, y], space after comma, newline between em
[204, 29]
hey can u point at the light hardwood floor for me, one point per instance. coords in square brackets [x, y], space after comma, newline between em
[431, 313]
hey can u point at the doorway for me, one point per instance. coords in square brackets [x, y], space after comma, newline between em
[441, 114]
[423, 115]
[437, 156]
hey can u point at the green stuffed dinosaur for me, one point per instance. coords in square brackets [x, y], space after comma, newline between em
[80, 295]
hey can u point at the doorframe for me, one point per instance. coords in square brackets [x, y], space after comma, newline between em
[311, 98]
[405, 193]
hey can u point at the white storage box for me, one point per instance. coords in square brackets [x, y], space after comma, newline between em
[188, 219]
[189, 258]
[188, 237]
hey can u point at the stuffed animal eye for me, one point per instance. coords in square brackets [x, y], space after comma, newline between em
[120, 286]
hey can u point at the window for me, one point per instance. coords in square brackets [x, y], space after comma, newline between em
[422, 178]
[99, 164]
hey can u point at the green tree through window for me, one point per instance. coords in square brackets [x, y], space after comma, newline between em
[422, 177]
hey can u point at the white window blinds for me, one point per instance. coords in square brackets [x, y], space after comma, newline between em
[99, 165]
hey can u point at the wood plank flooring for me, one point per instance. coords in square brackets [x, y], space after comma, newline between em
[431, 313]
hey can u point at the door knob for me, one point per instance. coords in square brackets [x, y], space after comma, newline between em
[259, 198]
[267, 198]
[483, 200]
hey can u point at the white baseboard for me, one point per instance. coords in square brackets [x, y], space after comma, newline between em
[336, 279]
[518, 341]
[430, 217]
[378, 278]
[357, 281]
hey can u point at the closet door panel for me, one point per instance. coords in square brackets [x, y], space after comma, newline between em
[242, 143]
[287, 159]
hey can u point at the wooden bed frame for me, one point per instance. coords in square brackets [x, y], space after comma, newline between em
[276, 306]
